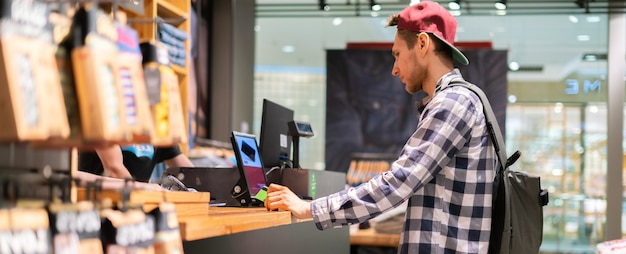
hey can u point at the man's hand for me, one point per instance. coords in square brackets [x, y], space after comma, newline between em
[281, 197]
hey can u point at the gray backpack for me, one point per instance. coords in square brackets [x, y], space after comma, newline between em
[518, 201]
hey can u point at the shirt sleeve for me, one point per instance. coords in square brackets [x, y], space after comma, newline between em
[443, 129]
[165, 153]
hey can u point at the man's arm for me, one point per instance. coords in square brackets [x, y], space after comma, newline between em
[113, 162]
[179, 161]
[114, 183]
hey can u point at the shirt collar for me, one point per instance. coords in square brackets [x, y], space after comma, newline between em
[442, 83]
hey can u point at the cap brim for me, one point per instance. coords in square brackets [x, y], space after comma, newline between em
[456, 53]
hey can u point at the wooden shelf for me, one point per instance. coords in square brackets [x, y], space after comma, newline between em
[169, 11]
[176, 13]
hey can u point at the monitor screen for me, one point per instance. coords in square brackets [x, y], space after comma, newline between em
[249, 161]
[275, 143]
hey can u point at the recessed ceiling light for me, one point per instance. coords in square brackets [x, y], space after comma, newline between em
[573, 19]
[337, 21]
[500, 5]
[454, 5]
[583, 37]
[289, 49]
[591, 57]
[512, 98]
[374, 6]
[593, 19]
[514, 66]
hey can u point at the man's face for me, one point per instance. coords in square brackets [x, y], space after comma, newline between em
[406, 65]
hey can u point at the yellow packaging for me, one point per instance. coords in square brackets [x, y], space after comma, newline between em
[168, 114]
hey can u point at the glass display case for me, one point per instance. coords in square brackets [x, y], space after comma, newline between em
[565, 144]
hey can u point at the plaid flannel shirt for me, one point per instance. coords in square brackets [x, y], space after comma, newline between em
[445, 170]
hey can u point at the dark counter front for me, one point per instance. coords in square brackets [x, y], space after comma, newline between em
[298, 237]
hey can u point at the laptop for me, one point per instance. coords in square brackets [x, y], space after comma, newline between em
[252, 184]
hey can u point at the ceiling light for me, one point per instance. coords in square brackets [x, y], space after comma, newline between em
[513, 66]
[324, 6]
[500, 5]
[454, 5]
[592, 57]
[374, 5]
[583, 37]
[288, 49]
[593, 19]
[337, 21]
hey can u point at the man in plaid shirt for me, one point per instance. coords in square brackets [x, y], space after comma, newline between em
[445, 170]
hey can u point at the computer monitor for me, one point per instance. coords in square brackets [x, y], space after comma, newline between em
[275, 142]
[250, 166]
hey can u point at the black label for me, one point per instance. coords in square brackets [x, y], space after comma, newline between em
[152, 77]
[27, 18]
[140, 234]
[24, 241]
[85, 223]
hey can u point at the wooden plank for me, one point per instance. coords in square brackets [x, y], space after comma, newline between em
[258, 222]
[230, 220]
[192, 231]
[369, 237]
[145, 196]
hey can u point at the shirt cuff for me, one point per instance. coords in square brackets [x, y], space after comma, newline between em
[321, 213]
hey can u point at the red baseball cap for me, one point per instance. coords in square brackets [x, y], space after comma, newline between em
[430, 17]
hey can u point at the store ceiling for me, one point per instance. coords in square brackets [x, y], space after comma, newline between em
[548, 35]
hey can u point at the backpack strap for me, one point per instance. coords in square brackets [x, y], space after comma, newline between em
[493, 128]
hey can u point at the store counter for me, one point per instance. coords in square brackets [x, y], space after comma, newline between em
[206, 229]
[229, 220]
[256, 230]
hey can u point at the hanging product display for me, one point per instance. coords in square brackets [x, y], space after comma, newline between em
[163, 95]
[61, 26]
[131, 231]
[135, 99]
[32, 97]
[94, 63]
[24, 230]
[167, 239]
[75, 227]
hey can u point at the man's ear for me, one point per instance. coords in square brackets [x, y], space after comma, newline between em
[423, 41]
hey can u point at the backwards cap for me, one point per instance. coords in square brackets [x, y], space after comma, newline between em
[431, 17]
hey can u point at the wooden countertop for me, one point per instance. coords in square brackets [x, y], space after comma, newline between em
[230, 220]
[369, 237]
[196, 218]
